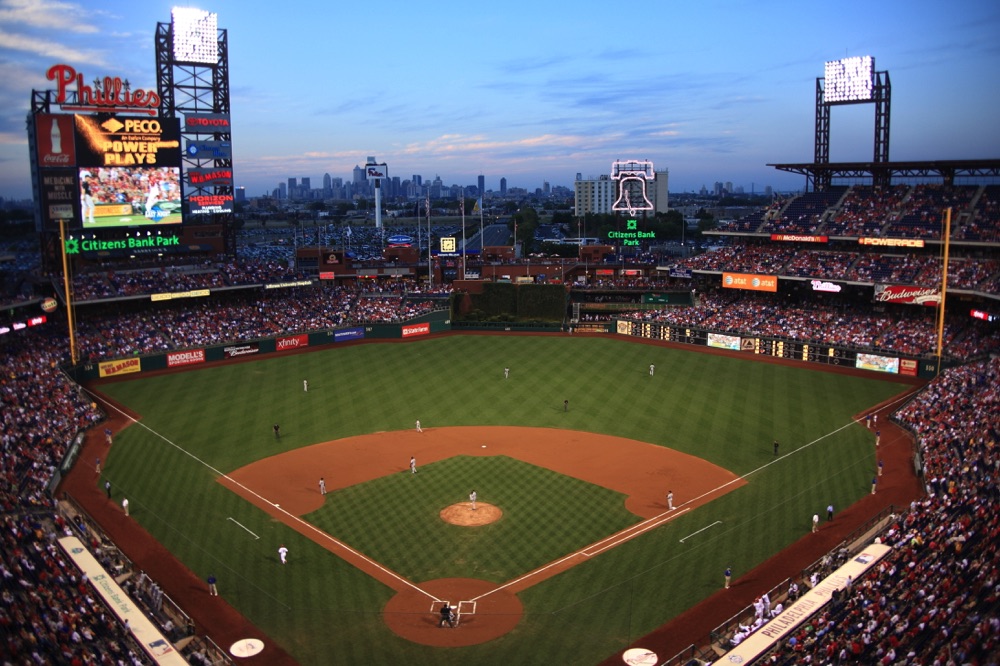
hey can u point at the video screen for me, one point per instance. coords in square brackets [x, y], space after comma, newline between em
[129, 196]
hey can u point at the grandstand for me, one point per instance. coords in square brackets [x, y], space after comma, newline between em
[850, 272]
[116, 319]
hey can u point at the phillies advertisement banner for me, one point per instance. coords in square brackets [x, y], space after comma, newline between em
[189, 357]
[60, 195]
[209, 150]
[750, 282]
[54, 138]
[796, 238]
[896, 293]
[207, 123]
[348, 334]
[123, 367]
[206, 177]
[235, 351]
[416, 329]
[291, 342]
[210, 203]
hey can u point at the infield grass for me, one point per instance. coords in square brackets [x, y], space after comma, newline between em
[202, 423]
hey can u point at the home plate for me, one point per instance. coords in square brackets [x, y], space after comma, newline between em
[484, 446]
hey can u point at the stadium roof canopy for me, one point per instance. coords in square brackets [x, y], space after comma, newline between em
[822, 175]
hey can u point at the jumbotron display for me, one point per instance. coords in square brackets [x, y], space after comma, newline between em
[129, 171]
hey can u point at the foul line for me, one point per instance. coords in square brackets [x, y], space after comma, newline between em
[659, 520]
[630, 533]
[293, 518]
[243, 526]
[615, 539]
[718, 522]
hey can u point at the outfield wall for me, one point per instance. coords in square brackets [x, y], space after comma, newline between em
[799, 350]
[435, 322]
[438, 322]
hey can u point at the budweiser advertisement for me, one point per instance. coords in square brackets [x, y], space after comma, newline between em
[897, 293]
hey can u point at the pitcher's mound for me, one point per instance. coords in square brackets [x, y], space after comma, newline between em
[462, 514]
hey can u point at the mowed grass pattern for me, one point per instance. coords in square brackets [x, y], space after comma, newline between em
[541, 508]
[209, 421]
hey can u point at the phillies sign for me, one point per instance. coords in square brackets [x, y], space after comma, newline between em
[110, 94]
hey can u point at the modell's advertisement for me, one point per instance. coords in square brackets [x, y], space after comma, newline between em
[129, 171]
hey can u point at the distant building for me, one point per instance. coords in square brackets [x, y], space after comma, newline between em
[482, 184]
[503, 187]
[594, 196]
[661, 193]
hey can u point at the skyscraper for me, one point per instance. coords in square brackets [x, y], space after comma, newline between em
[503, 187]
[482, 184]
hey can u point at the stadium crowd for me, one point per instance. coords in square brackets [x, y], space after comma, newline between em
[935, 598]
[906, 331]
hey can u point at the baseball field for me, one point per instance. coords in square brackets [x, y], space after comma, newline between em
[575, 450]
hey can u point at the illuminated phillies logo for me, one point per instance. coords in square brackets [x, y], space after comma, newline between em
[107, 94]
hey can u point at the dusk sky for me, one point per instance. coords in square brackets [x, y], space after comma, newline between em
[537, 91]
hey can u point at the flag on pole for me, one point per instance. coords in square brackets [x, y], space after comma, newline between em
[478, 206]
[348, 234]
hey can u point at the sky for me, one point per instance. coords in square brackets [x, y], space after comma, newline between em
[537, 91]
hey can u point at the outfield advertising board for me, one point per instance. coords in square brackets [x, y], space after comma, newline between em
[189, 357]
[125, 366]
[416, 329]
[291, 342]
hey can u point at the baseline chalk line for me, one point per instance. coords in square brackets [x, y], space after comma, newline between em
[718, 522]
[243, 526]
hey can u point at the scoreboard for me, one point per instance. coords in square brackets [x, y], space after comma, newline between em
[780, 348]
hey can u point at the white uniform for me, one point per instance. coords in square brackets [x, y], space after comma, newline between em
[305, 385]
[670, 500]
[283, 554]
[506, 373]
[413, 465]
[419, 429]
[472, 499]
[652, 369]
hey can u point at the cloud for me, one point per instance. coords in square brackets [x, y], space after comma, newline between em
[46, 15]
[46, 48]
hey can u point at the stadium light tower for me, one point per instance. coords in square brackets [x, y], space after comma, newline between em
[853, 81]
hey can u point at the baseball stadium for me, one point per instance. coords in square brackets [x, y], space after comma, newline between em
[231, 440]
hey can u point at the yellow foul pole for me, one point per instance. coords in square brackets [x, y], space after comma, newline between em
[944, 286]
[67, 293]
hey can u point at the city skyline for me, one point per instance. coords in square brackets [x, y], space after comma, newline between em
[711, 92]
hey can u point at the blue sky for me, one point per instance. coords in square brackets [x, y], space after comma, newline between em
[537, 91]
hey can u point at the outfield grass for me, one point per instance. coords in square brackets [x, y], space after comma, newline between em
[728, 411]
